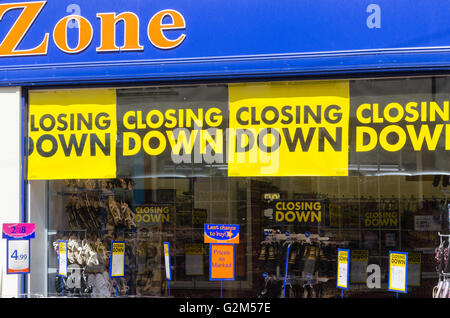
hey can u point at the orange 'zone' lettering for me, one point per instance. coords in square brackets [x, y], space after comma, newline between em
[23, 23]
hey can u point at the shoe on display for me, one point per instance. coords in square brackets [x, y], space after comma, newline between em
[101, 251]
[263, 253]
[122, 286]
[293, 253]
[90, 184]
[127, 215]
[271, 252]
[89, 255]
[114, 210]
[78, 252]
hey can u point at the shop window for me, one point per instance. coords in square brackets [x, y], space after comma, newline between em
[149, 165]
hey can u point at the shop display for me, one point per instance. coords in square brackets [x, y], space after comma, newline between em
[97, 212]
[311, 264]
[100, 211]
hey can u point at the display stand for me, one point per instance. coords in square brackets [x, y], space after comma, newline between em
[18, 247]
[167, 265]
[286, 270]
[222, 238]
[442, 274]
[343, 270]
[168, 287]
[117, 262]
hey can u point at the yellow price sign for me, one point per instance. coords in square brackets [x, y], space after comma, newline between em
[343, 268]
[398, 264]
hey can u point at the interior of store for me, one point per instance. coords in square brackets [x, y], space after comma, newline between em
[290, 227]
[369, 215]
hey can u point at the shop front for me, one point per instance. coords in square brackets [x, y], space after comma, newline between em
[274, 150]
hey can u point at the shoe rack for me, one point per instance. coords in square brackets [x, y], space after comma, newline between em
[311, 262]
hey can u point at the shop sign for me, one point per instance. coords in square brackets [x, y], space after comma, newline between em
[271, 196]
[49, 41]
[18, 231]
[222, 265]
[117, 262]
[298, 211]
[343, 268]
[278, 135]
[31, 12]
[73, 129]
[266, 129]
[62, 258]
[358, 269]
[18, 251]
[221, 233]
[154, 214]
[398, 265]
[381, 219]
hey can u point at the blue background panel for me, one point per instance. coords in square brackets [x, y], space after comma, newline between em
[240, 39]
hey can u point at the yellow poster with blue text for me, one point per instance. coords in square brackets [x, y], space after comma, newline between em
[398, 271]
[343, 268]
[289, 129]
[72, 134]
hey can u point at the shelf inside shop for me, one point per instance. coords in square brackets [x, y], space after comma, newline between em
[323, 228]
[88, 269]
[96, 190]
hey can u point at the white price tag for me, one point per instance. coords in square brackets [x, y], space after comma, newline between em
[18, 261]
[343, 266]
[62, 248]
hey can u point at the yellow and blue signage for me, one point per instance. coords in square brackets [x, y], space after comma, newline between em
[167, 260]
[56, 41]
[117, 260]
[343, 268]
[221, 233]
[18, 250]
[22, 231]
[18, 256]
[289, 122]
[62, 258]
[398, 271]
